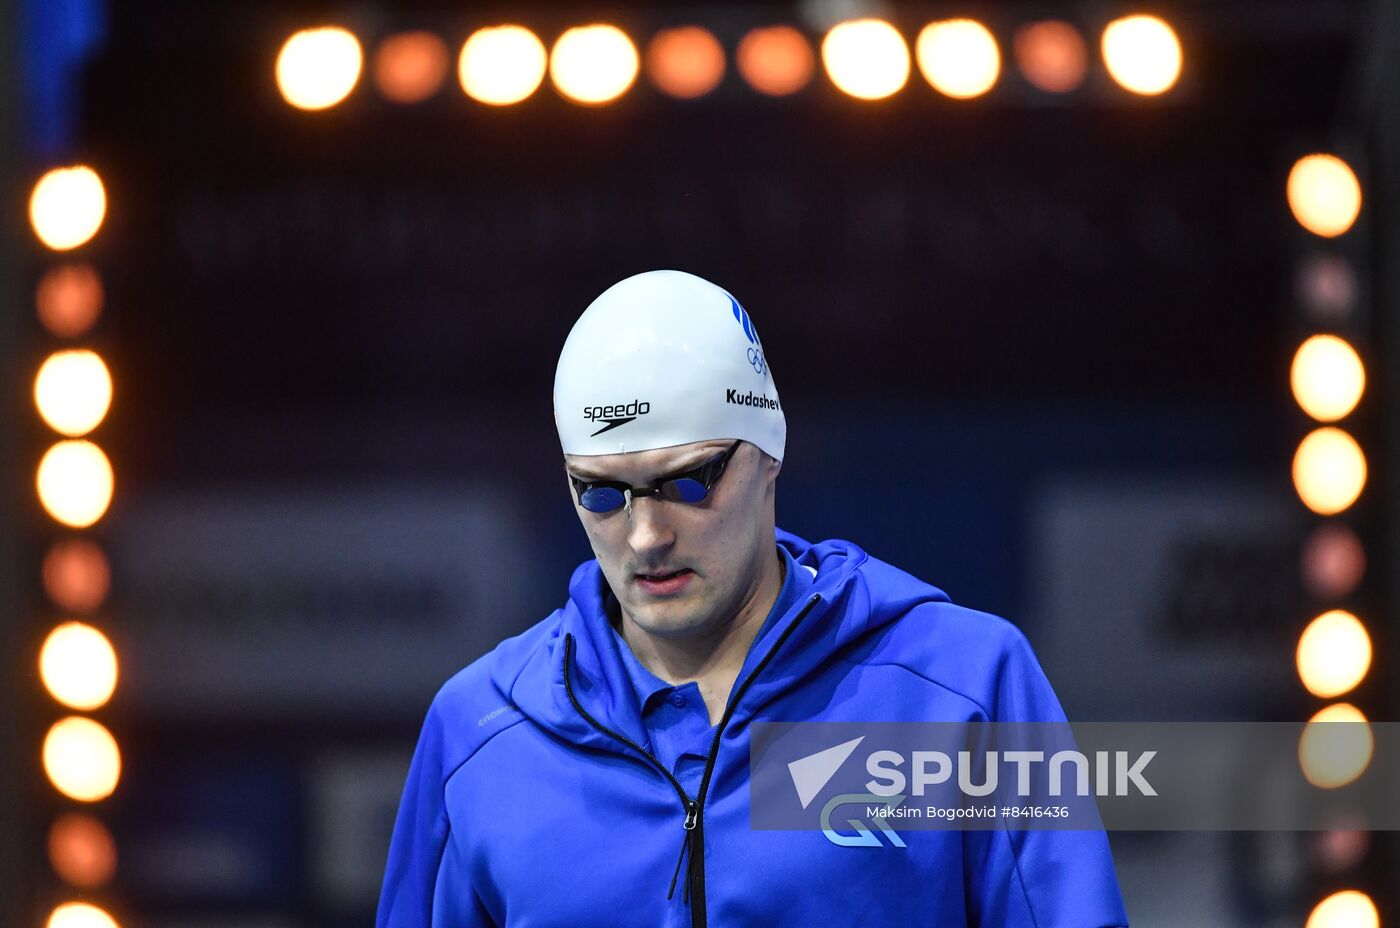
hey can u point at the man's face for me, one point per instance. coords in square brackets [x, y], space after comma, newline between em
[682, 569]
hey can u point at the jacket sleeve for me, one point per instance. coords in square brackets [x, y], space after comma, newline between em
[426, 884]
[1037, 878]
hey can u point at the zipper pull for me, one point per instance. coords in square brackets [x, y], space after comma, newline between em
[692, 815]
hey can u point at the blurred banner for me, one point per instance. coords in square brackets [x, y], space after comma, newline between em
[1174, 595]
[314, 602]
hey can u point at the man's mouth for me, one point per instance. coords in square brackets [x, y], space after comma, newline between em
[665, 584]
[657, 577]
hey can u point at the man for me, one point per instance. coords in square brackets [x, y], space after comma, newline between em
[594, 770]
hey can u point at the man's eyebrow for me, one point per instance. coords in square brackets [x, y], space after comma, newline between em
[594, 477]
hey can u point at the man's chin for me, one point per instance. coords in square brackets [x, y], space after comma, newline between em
[669, 620]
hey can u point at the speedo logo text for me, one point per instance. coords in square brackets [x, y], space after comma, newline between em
[617, 415]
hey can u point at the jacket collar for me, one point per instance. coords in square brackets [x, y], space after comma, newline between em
[848, 606]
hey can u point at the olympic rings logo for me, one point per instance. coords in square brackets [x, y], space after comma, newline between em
[757, 360]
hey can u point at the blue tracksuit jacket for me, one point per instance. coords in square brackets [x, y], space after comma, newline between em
[530, 802]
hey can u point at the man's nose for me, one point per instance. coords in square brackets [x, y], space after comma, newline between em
[648, 530]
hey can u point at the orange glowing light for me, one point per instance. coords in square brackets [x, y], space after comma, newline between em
[1334, 653]
[1336, 746]
[1324, 194]
[78, 666]
[81, 759]
[82, 851]
[75, 482]
[1333, 561]
[1341, 848]
[776, 60]
[958, 57]
[1327, 377]
[685, 62]
[501, 65]
[69, 299]
[76, 575]
[866, 58]
[593, 64]
[317, 68]
[1347, 909]
[80, 915]
[1052, 55]
[1143, 54]
[67, 207]
[410, 67]
[73, 391]
[1329, 470]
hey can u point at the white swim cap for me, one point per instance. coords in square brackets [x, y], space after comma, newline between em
[660, 359]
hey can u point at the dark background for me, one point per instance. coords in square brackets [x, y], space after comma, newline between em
[1034, 350]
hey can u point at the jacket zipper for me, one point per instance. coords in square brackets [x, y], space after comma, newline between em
[694, 808]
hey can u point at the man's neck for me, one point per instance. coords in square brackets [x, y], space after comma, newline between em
[713, 661]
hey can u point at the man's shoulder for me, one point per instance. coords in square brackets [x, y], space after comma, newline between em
[929, 621]
[970, 652]
[935, 630]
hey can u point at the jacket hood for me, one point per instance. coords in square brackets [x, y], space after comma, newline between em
[840, 609]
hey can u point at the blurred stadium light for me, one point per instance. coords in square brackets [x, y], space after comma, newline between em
[1326, 288]
[1324, 194]
[78, 666]
[501, 65]
[76, 575]
[685, 61]
[1334, 654]
[318, 68]
[1051, 55]
[75, 483]
[73, 391]
[81, 759]
[866, 58]
[68, 299]
[82, 850]
[410, 67]
[80, 915]
[1345, 909]
[67, 207]
[958, 57]
[593, 64]
[1329, 470]
[1142, 53]
[1334, 561]
[775, 60]
[1336, 746]
[1327, 377]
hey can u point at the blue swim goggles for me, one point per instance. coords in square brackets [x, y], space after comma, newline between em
[690, 486]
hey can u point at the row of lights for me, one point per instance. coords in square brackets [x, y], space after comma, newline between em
[77, 663]
[1334, 651]
[595, 64]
